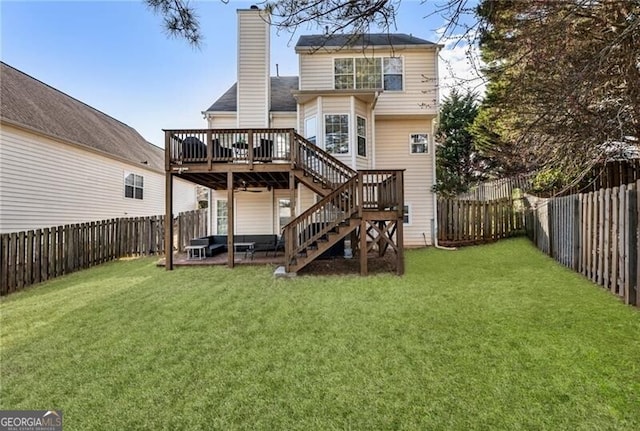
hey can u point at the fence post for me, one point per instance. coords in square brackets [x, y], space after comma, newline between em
[630, 291]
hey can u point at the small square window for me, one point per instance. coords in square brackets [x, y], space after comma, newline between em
[419, 143]
[406, 215]
[133, 186]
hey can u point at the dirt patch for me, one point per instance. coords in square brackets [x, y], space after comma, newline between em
[376, 265]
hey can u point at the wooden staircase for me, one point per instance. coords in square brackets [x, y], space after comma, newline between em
[348, 197]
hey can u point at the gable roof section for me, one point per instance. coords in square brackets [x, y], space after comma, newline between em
[281, 97]
[315, 41]
[36, 106]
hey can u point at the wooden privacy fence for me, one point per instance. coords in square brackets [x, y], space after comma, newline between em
[463, 222]
[501, 188]
[34, 256]
[595, 234]
[189, 225]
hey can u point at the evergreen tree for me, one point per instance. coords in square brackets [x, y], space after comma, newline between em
[458, 164]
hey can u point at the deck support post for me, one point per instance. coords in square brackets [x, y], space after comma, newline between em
[292, 194]
[230, 221]
[168, 222]
[168, 204]
[400, 225]
[363, 247]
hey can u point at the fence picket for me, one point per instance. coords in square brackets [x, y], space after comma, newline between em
[596, 233]
[30, 257]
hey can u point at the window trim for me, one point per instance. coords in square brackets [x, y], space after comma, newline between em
[324, 129]
[133, 186]
[411, 143]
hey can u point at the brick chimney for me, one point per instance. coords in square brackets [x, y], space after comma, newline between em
[253, 68]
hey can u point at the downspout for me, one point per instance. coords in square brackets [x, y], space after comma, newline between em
[434, 224]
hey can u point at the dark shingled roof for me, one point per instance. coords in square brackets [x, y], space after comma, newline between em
[27, 102]
[355, 40]
[281, 98]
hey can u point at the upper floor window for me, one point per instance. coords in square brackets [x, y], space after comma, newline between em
[133, 186]
[368, 73]
[392, 70]
[419, 143]
[336, 133]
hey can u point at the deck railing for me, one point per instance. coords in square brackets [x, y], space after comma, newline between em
[228, 145]
[382, 189]
[319, 164]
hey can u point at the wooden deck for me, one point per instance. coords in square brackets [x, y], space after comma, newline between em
[259, 258]
[367, 204]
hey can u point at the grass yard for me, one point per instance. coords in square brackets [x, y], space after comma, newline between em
[496, 337]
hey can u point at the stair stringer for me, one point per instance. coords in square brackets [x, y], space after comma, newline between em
[322, 246]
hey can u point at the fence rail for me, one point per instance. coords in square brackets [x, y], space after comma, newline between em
[464, 222]
[595, 234]
[30, 257]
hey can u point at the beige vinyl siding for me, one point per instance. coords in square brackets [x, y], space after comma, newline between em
[392, 152]
[316, 73]
[417, 65]
[253, 69]
[283, 120]
[306, 198]
[253, 212]
[225, 121]
[46, 183]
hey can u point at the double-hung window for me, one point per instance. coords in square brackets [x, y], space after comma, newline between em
[133, 186]
[368, 73]
[343, 73]
[336, 133]
[392, 70]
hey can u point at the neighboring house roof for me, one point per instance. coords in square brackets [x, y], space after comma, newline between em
[36, 106]
[281, 98]
[360, 40]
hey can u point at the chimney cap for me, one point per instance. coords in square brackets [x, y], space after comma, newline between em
[254, 7]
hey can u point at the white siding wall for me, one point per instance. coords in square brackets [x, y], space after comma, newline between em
[45, 183]
[316, 72]
[392, 152]
[253, 69]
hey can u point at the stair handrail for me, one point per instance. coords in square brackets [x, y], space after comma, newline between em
[344, 197]
[338, 172]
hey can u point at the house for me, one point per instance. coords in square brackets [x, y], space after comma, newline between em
[343, 151]
[64, 162]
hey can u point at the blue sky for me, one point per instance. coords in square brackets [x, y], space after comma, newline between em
[116, 57]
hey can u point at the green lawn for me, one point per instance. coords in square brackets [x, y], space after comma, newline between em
[496, 337]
